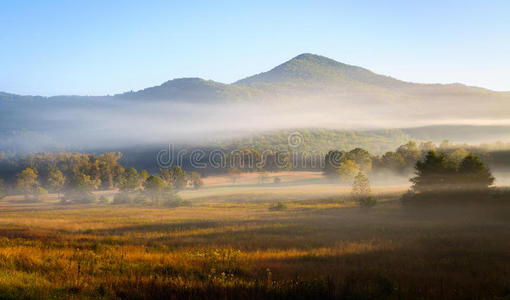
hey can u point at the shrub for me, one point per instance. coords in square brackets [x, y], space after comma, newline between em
[41, 194]
[123, 198]
[83, 198]
[278, 206]
[176, 202]
[367, 202]
[103, 199]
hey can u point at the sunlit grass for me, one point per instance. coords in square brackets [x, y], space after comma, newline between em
[231, 245]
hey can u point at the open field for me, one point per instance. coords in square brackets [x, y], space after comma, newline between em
[229, 244]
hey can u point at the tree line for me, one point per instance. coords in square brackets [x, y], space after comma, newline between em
[345, 165]
[77, 175]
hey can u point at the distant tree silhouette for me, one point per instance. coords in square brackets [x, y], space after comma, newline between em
[433, 173]
[179, 177]
[332, 162]
[56, 180]
[195, 180]
[27, 182]
[439, 178]
[473, 174]
[153, 187]
[361, 191]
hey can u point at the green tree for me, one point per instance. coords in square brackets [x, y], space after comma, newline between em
[80, 188]
[348, 169]
[361, 191]
[427, 146]
[56, 181]
[361, 186]
[179, 177]
[166, 176]
[143, 176]
[445, 145]
[2, 189]
[362, 158]
[393, 161]
[41, 194]
[332, 162]
[195, 180]
[154, 187]
[434, 173]
[130, 180]
[473, 174]
[27, 182]
[410, 153]
[458, 155]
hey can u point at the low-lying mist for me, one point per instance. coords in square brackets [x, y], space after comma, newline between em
[119, 123]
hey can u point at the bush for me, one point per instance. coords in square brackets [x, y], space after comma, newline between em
[278, 206]
[177, 202]
[103, 199]
[83, 198]
[408, 197]
[41, 194]
[367, 202]
[123, 198]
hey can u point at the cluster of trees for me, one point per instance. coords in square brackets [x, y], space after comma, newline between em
[345, 165]
[157, 190]
[105, 168]
[320, 140]
[439, 175]
[253, 160]
[77, 175]
[443, 177]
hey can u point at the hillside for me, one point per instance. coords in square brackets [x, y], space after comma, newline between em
[308, 91]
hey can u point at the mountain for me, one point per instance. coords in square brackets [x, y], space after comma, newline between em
[304, 74]
[309, 70]
[307, 91]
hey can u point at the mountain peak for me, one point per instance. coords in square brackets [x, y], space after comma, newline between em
[315, 58]
[318, 71]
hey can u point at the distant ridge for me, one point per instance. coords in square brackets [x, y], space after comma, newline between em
[305, 71]
[354, 95]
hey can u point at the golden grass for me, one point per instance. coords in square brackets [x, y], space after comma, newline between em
[230, 245]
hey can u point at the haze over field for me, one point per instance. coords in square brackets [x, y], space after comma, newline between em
[308, 91]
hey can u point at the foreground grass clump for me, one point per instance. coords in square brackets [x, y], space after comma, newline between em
[316, 248]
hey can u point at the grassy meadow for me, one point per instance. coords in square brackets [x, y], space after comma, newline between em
[232, 243]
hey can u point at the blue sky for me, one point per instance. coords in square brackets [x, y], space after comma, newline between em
[105, 47]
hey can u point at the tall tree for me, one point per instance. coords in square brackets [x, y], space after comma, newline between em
[153, 187]
[362, 158]
[56, 181]
[474, 174]
[179, 177]
[348, 169]
[2, 189]
[393, 161]
[434, 173]
[361, 191]
[80, 188]
[27, 182]
[332, 163]
[195, 180]
[410, 153]
[361, 186]
[130, 181]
